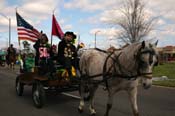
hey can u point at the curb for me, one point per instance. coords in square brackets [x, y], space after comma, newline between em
[163, 87]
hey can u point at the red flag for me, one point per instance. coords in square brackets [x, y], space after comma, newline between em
[25, 30]
[56, 29]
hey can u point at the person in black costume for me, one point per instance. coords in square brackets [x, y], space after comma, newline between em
[42, 54]
[67, 53]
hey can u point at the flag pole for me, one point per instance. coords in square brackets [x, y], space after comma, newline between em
[78, 38]
[51, 32]
[52, 27]
[51, 38]
[16, 9]
[19, 57]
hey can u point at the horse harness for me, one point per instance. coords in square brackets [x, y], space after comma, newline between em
[107, 74]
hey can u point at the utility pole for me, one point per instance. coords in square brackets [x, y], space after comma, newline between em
[9, 27]
[95, 37]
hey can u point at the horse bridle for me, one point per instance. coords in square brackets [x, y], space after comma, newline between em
[138, 61]
[140, 52]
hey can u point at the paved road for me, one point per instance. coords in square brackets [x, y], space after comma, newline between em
[153, 102]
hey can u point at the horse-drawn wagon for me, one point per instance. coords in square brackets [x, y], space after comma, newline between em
[119, 70]
[43, 80]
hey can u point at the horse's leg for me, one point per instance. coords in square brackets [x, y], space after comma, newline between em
[7, 62]
[81, 105]
[92, 95]
[110, 100]
[13, 65]
[82, 94]
[133, 98]
[10, 65]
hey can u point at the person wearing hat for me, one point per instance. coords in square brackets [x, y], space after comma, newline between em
[11, 51]
[67, 53]
[42, 53]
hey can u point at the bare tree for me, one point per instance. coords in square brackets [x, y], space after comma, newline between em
[135, 24]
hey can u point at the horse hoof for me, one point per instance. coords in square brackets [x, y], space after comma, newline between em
[93, 114]
[136, 114]
[104, 88]
[80, 110]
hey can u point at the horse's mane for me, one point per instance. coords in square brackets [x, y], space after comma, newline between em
[127, 58]
[131, 49]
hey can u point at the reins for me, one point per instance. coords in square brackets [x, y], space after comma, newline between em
[108, 74]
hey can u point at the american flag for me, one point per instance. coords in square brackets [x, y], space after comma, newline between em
[25, 30]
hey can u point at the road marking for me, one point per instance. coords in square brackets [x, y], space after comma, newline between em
[71, 95]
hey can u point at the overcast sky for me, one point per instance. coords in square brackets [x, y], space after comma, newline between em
[85, 17]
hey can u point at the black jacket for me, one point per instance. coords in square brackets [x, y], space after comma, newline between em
[66, 50]
[36, 46]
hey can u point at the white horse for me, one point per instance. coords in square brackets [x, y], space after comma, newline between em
[120, 70]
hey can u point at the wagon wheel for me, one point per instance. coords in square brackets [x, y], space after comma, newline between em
[19, 87]
[38, 95]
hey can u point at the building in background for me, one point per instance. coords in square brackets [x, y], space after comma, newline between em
[167, 53]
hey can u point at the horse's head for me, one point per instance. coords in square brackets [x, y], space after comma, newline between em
[147, 58]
